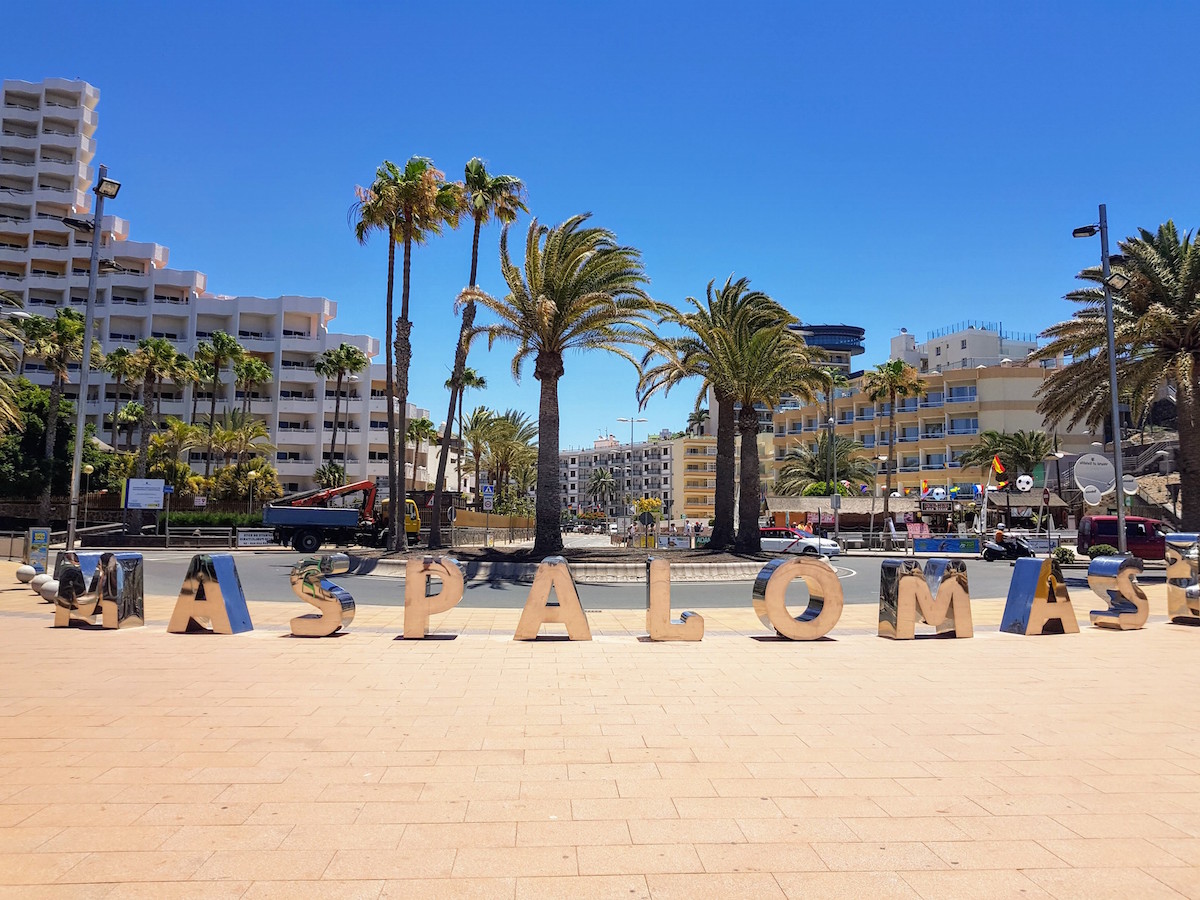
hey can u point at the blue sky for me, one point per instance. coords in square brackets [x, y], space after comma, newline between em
[886, 165]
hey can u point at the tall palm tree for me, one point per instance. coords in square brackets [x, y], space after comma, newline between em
[696, 420]
[475, 381]
[128, 418]
[486, 197]
[156, 361]
[980, 454]
[198, 375]
[766, 363]
[1157, 344]
[58, 343]
[223, 350]
[419, 430]
[10, 363]
[338, 363]
[601, 485]
[804, 467]
[410, 206]
[475, 435]
[250, 372]
[832, 378]
[892, 379]
[511, 437]
[704, 352]
[119, 364]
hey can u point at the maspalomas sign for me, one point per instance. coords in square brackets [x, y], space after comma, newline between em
[934, 594]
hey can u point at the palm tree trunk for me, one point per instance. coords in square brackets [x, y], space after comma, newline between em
[1188, 459]
[477, 497]
[337, 409]
[891, 454]
[212, 415]
[116, 403]
[748, 538]
[56, 390]
[547, 537]
[404, 357]
[346, 450]
[395, 500]
[461, 445]
[722, 534]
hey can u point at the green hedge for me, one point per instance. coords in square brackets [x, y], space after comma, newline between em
[1102, 550]
[216, 520]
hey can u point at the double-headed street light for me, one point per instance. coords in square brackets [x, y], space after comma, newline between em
[631, 420]
[106, 189]
[1112, 282]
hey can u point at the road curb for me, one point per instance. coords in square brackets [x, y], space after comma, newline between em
[583, 572]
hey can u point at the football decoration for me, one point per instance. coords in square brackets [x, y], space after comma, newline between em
[937, 493]
[1024, 483]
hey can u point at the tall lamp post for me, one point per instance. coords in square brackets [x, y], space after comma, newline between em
[1111, 282]
[106, 189]
[834, 505]
[631, 420]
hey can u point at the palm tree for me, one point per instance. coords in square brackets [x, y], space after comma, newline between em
[511, 438]
[155, 360]
[705, 352]
[128, 418]
[804, 467]
[696, 420]
[475, 381]
[831, 378]
[250, 372]
[58, 343]
[475, 436]
[419, 430]
[221, 352]
[601, 485]
[410, 206]
[766, 363]
[580, 290]
[338, 363]
[990, 445]
[197, 375]
[10, 364]
[486, 196]
[892, 379]
[118, 364]
[1156, 340]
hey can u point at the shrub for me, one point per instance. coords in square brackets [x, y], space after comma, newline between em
[1102, 550]
[199, 519]
[1064, 555]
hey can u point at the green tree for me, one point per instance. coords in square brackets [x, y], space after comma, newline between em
[223, 350]
[892, 379]
[475, 435]
[166, 449]
[696, 420]
[338, 363]
[486, 197]
[706, 352]
[22, 450]
[250, 372]
[329, 475]
[410, 206]
[831, 378]
[473, 380]
[580, 291]
[1157, 344]
[10, 364]
[254, 481]
[155, 361]
[120, 365]
[601, 485]
[980, 454]
[511, 439]
[418, 430]
[128, 418]
[804, 467]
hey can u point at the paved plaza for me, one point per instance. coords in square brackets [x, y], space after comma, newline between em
[138, 763]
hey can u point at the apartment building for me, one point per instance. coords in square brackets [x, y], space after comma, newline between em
[47, 147]
[970, 389]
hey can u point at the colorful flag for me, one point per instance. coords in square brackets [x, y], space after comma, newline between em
[862, 488]
[924, 487]
[954, 490]
[978, 490]
[997, 466]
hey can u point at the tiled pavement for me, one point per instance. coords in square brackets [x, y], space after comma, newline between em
[142, 764]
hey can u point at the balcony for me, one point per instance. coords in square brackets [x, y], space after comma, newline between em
[933, 401]
[908, 439]
[960, 432]
[868, 416]
[910, 468]
[933, 435]
[968, 397]
[867, 442]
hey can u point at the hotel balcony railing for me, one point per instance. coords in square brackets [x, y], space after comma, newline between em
[864, 417]
[962, 398]
[932, 402]
[930, 466]
[915, 468]
[908, 438]
[932, 435]
[962, 431]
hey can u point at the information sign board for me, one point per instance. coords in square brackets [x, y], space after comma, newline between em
[143, 493]
[255, 537]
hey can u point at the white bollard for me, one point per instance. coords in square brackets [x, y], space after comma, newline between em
[25, 574]
[49, 590]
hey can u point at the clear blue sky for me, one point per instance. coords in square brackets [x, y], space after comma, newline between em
[881, 164]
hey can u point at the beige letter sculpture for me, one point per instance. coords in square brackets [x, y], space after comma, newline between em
[553, 573]
[211, 590]
[904, 594]
[824, 597]
[418, 604]
[334, 605]
[1183, 582]
[689, 627]
[1114, 580]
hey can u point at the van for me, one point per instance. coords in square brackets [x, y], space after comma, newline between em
[1144, 538]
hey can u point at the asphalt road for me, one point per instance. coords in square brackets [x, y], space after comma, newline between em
[264, 576]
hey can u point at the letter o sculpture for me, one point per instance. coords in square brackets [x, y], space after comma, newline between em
[824, 598]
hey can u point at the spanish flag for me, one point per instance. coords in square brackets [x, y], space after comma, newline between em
[924, 487]
[997, 467]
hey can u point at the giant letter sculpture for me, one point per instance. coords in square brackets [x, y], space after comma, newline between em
[906, 593]
[1114, 580]
[335, 606]
[1183, 585]
[419, 605]
[116, 590]
[824, 598]
[660, 627]
[565, 609]
[1037, 597]
[211, 590]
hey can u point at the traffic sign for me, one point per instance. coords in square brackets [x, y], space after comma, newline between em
[487, 504]
[1046, 496]
[168, 489]
[487, 490]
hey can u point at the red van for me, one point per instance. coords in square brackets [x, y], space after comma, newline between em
[1144, 538]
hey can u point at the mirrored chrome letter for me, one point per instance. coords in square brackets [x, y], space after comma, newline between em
[824, 597]
[335, 606]
[1114, 580]
[211, 592]
[1038, 602]
[937, 596]
[1183, 583]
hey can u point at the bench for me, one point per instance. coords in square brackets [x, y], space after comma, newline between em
[852, 540]
[200, 536]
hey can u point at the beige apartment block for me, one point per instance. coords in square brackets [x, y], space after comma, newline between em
[47, 149]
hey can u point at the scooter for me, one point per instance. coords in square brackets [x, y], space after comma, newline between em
[1013, 548]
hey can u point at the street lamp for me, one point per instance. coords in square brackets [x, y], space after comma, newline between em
[631, 420]
[834, 505]
[88, 469]
[251, 480]
[1110, 284]
[106, 189]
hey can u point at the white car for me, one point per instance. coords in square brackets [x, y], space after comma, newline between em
[793, 540]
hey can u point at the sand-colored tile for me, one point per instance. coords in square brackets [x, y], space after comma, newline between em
[136, 865]
[713, 886]
[974, 885]
[36, 868]
[1100, 852]
[845, 886]
[450, 889]
[227, 837]
[1101, 884]
[1007, 828]
[197, 814]
[265, 865]
[624, 808]
[430, 862]
[686, 831]
[479, 862]
[1119, 825]
[638, 859]
[568, 834]
[1184, 880]
[995, 854]
[582, 887]
[180, 890]
[356, 836]
[878, 856]
[756, 857]
[405, 812]
[314, 890]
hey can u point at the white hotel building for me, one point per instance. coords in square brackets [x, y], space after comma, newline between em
[46, 152]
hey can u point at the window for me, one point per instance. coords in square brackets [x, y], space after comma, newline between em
[937, 351]
[963, 345]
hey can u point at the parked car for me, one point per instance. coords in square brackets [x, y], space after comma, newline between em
[796, 540]
[1144, 538]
